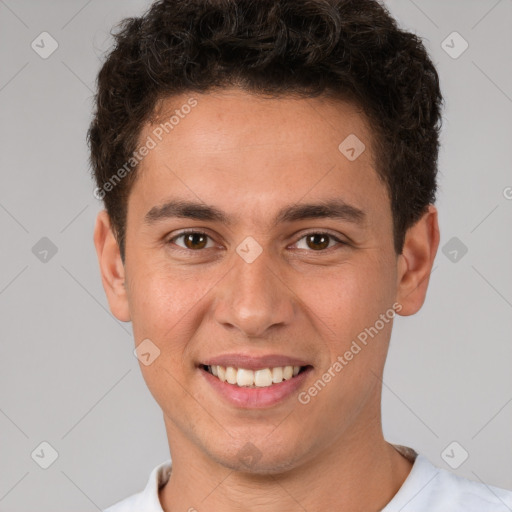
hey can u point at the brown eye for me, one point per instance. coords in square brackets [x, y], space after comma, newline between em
[318, 241]
[193, 240]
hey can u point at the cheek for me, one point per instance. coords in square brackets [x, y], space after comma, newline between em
[158, 304]
[168, 305]
[351, 297]
[164, 309]
[348, 309]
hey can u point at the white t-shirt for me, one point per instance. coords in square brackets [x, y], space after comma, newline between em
[426, 489]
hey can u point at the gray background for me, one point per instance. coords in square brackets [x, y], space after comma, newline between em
[67, 372]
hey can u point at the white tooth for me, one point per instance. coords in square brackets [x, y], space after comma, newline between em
[245, 377]
[287, 372]
[277, 374]
[231, 375]
[263, 378]
[221, 373]
[259, 378]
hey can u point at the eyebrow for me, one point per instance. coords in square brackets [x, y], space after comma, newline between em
[333, 208]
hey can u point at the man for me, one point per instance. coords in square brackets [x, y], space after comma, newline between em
[269, 172]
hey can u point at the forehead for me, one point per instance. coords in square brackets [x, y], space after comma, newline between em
[235, 119]
[232, 145]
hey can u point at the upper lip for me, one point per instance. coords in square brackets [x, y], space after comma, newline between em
[254, 362]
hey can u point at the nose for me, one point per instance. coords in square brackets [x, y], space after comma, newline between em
[254, 298]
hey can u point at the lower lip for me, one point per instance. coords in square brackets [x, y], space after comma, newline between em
[256, 398]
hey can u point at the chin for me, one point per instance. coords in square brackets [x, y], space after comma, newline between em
[245, 457]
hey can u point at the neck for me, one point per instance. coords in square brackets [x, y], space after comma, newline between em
[360, 472]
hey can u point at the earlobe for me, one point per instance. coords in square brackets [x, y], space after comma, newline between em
[111, 267]
[416, 261]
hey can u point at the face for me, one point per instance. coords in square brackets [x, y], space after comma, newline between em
[253, 242]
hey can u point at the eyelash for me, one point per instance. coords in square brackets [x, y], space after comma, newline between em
[185, 233]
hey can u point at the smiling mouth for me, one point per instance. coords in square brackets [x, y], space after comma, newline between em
[263, 378]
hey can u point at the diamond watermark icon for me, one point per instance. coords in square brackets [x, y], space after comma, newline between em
[454, 45]
[146, 352]
[249, 455]
[352, 147]
[44, 250]
[454, 455]
[249, 249]
[454, 249]
[44, 45]
[44, 455]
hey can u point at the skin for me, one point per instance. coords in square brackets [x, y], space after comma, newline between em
[249, 157]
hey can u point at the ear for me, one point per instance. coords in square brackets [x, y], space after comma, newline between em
[415, 262]
[111, 267]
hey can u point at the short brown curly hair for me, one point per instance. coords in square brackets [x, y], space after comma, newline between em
[352, 49]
